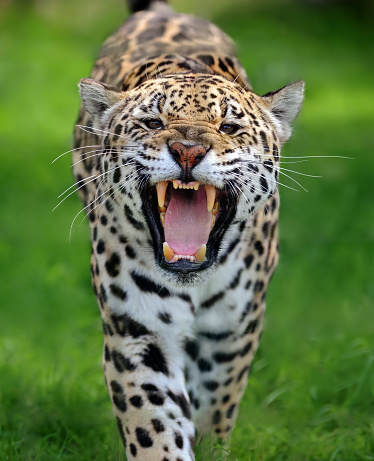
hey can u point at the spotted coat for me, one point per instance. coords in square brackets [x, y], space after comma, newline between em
[168, 103]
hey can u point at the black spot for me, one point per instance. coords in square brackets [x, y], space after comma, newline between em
[226, 398]
[192, 349]
[178, 440]
[222, 65]
[118, 360]
[147, 285]
[117, 175]
[209, 302]
[216, 417]
[229, 61]
[185, 297]
[120, 428]
[130, 252]
[240, 375]
[136, 401]
[119, 400]
[264, 184]
[107, 329]
[117, 291]
[204, 365]
[157, 425]
[129, 215]
[165, 317]
[104, 220]
[133, 450]
[259, 247]
[251, 327]
[215, 336]
[107, 355]
[223, 357]
[143, 437]
[125, 325]
[236, 280]
[103, 293]
[211, 385]
[246, 349]
[248, 285]
[155, 397]
[207, 59]
[113, 265]
[259, 285]
[116, 387]
[100, 246]
[248, 261]
[154, 359]
[184, 405]
[230, 411]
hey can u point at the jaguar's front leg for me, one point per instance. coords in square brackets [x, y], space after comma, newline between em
[144, 371]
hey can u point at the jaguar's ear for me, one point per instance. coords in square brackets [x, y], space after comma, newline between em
[285, 104]
[97, 97]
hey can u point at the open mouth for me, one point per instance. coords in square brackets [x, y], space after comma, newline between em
[187, 223]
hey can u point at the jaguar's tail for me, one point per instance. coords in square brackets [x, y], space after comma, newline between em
[139, 5]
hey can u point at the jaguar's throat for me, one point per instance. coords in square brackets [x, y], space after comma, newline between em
[187, 222]
[187, 213]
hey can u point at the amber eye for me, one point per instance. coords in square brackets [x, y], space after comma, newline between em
[228, 128]
[153, 124]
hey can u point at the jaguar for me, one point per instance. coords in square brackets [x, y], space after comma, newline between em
[177, 161]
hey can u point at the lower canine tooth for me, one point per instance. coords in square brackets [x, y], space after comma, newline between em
[168, 252]
[200, 253]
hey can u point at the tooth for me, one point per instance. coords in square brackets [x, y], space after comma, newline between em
[162, 217]
[210, 196]
[200, 253]
[175, 184]
[196, 186]
[168, 252]
[215, 208]
[213, 221]
[161, 191]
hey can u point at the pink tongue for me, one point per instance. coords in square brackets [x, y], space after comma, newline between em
[187, 221]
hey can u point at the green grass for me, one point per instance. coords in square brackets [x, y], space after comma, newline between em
[311, 391]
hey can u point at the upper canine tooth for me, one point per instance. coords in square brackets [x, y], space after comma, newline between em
[200, 253]
[161, 191]
[168, 252]
[210, 196]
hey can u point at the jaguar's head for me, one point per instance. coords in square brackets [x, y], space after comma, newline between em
[193, 153]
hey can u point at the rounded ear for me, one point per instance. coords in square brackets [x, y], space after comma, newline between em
[285, 104]
[97, 97]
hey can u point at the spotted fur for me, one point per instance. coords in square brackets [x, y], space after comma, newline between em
[168, 100]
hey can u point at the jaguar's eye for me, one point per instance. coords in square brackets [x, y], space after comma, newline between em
[228, 128]
[153, 124]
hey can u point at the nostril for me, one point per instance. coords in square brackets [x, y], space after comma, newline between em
[176, 149]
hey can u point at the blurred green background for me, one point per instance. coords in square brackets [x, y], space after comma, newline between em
[311, 392]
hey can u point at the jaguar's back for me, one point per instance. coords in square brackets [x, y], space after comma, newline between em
[177, 164]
